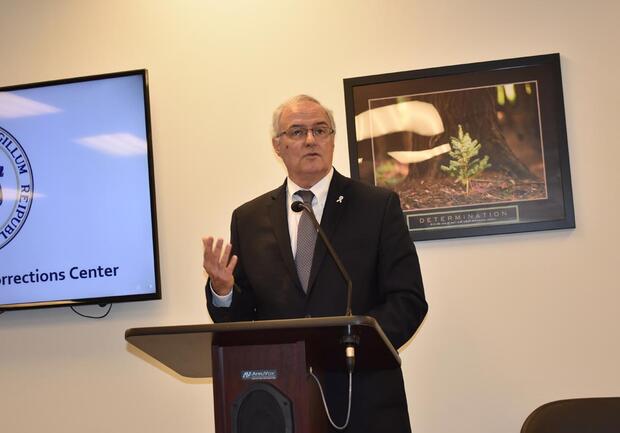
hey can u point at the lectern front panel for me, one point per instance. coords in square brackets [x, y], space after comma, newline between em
[242, 372]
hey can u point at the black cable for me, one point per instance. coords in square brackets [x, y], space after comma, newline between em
[93, 317]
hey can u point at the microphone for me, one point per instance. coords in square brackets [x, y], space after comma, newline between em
[298, 206]
[349, 340]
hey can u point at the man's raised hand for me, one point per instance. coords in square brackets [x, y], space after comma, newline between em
[218, 263]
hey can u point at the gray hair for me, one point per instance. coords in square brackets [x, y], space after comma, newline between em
[277, 113]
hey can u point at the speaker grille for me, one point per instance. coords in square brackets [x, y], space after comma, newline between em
[262, 409]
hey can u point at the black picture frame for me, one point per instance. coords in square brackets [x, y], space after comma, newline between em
[506, 171]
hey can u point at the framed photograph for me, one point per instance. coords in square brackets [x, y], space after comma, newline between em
[473, 149]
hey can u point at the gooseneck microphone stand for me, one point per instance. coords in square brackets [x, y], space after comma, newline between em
[349, 339]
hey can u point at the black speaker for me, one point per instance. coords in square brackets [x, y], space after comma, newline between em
[262, 409]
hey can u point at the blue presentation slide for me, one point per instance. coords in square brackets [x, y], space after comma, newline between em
[75, 203]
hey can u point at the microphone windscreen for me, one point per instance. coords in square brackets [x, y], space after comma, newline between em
[297, 206]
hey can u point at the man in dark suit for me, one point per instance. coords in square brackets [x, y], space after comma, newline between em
[259, 276]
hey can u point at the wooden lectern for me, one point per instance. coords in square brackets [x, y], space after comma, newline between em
[262, 366]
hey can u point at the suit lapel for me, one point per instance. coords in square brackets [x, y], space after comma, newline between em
[333, 211]
[279, 221]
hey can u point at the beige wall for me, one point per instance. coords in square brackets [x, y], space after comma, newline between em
[515, 320]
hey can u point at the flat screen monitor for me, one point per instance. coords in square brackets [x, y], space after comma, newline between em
[77, 198]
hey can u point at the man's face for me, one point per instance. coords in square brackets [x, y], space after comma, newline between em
[307, 159]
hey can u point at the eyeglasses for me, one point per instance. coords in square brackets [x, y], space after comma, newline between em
[301, 132]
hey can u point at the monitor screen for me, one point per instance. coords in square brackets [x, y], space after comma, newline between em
[77, 199]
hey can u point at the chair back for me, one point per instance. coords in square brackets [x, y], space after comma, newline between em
[580, 415]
